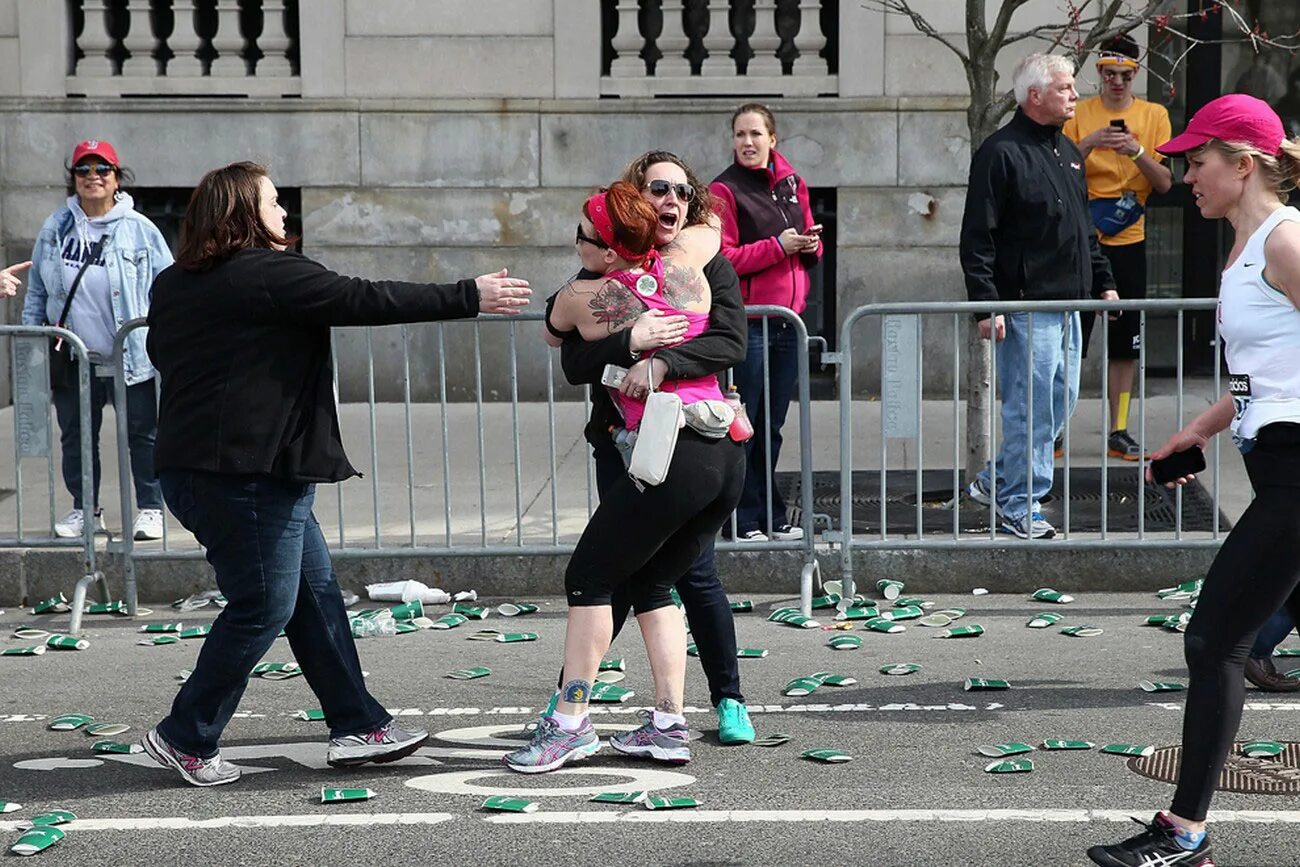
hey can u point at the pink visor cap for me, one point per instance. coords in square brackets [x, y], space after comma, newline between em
[1235, 118]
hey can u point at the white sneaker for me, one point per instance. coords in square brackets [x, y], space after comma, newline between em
[148, 525]
[73, 524]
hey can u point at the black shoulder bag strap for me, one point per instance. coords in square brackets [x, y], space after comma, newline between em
[91, 256]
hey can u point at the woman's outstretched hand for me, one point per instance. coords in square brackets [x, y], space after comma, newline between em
[9, 282]
[655, 330]
[500, 293]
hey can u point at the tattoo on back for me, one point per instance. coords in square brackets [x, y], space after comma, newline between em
[614, 306]
[683, 285]
[576, 691]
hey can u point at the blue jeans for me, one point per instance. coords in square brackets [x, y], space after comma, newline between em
[274, 570]
[782, 351]
[141, 426]
[1272, 633]
[1054, 399]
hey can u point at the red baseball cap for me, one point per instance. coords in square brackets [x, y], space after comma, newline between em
[95, 147]
[1235, 117]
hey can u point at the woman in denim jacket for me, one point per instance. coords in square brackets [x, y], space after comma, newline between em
[125, 252]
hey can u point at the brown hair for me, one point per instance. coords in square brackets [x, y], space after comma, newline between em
[634, 221]
[759, 109]
[1280, 171]
[697, 212]
[223, 217]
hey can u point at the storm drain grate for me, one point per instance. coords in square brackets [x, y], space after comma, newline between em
[1122, 500]
[1275, 776]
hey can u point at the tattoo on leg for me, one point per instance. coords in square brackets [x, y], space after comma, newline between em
[667, 706]
[576, 691]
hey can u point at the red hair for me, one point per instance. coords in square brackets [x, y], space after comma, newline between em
[632, 220]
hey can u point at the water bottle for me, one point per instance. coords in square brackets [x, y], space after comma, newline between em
[740, 430]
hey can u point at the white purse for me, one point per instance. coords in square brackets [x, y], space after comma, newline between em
[656, 438]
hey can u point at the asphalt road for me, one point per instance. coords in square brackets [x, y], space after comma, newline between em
[915, 792]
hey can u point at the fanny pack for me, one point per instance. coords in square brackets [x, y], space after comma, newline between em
[1112, 216]
[709, 418]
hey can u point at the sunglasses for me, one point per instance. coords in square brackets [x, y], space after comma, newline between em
[595, 242]
[101, 169]
[660, 188]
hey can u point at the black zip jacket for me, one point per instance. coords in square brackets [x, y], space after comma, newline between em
[244, 355]
[1026, 232]
[720, 347]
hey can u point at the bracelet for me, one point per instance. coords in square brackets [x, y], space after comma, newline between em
[1137, 156]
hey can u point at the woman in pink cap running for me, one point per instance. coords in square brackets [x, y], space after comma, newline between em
[1240, 166]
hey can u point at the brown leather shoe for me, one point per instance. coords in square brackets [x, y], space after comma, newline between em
[1266, 677]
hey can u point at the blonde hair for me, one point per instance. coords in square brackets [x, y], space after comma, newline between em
[1280, 171]
[1037, 71]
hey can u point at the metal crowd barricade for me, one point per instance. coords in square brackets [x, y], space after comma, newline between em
[29, 348]
[903, 360]
[460, 537]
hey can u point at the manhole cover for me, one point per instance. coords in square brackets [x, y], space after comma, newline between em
[1275, 776]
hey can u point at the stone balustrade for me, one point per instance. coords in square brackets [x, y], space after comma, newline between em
[183, 48]
[721, 48]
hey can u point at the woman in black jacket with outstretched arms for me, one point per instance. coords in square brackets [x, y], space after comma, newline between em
[239, 328]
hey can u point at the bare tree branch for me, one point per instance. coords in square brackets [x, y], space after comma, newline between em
[920, 22]
[1003, 22]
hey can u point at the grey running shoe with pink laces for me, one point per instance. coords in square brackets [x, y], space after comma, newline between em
[215, 771]
[385, 744]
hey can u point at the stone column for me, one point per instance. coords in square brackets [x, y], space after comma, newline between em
[719, 41]
[228, 42]
[765, 42]
[627, 43]
[274, 42]
[139, 41]
[184, 42]
[95, 42]
[673, 42]
[810, 40]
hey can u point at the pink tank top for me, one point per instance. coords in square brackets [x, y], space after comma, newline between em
[689, 390]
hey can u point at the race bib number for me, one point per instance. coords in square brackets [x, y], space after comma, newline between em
[1239, 388]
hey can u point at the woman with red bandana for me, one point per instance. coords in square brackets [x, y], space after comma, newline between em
[769, 236]
[641, 537]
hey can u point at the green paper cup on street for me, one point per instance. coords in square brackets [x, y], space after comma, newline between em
[775, 739]
[9, 807]
[118, 607]
[162, 628]
[30, 633]
[106, 730]
[515, 609]
[903, 602]
[973, 630]
[692, 650]
[1047, 594]
[898, 669]
[609, 676]
[1138, 750]
[473, 612]
[506, 804]
[954, 613]
[618, 798]
[196, 632]
[802, 622]
[50, 818]
[262, 669]
[1082, 631]
[116, 747]
[613, 665]
[159, 640]
[1043, 620]
[1185, 590]
[1062, 744]
[997, 751]
[483, 635]
[66, 642]
[608, 693]
[891, 590]
[856, 612]
[53, 605]
[1010, 766]
[70, 721]
[800, 687]
[845, 642]
[829, 757]
[1286, 651]
[981, 684]
[339, 796]
[741, 605]
[1262, 749]
[830, 600]
[675, 596]
[37, 839]
[826, 678]
[312, 715]
[751, 653]
[880, 624]
[661, 803]
[408, 610]
[23, 651]
[1160, 686]
[406, 627]
[516, 637]
[935, 620]
[470, 673]
[1158, 619]
[907, 612]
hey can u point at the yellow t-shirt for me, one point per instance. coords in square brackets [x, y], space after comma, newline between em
[1110, 174]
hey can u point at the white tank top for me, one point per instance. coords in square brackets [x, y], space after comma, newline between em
[1261, 331]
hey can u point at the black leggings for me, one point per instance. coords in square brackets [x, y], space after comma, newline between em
[1256, 572]
[644, 540]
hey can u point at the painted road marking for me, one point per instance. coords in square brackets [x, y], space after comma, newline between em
[181, 823]
[640, 780]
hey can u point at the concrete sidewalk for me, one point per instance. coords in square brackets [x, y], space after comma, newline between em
[484, 490]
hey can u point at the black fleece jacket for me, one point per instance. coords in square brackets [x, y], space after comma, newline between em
[1026, 232]
[722, 346]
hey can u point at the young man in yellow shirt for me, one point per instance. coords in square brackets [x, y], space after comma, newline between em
[1117, 133]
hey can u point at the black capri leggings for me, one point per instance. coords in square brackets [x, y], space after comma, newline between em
[644, 540]
[1255, 573]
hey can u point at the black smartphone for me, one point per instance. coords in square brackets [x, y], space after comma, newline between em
[1177, 465]
[1118, 124]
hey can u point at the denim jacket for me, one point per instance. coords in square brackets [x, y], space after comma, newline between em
[134, 256]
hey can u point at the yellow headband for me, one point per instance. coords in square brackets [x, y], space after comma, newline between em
[1107, 58]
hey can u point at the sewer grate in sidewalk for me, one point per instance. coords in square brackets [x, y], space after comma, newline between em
[1279, 775]
[1158, 503]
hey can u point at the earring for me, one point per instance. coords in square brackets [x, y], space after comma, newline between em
[118, 195]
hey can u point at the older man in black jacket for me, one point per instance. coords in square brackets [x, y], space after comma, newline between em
[1027, 235]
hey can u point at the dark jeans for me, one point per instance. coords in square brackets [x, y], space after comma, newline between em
[782, 350]
[274, 570]
[713, 626]
[1272, 634]
[141, 425]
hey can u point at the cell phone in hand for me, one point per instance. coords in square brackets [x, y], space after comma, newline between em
[814, 229]
[1119, 125]
[1168, 469]
[613, 375]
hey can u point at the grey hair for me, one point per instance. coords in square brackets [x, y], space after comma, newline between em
[1037, 71]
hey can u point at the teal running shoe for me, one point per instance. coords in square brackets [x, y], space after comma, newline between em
[734, 726]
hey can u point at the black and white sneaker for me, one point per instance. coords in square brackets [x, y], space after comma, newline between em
[751, 536]
[787, 532]
[1154, 847]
